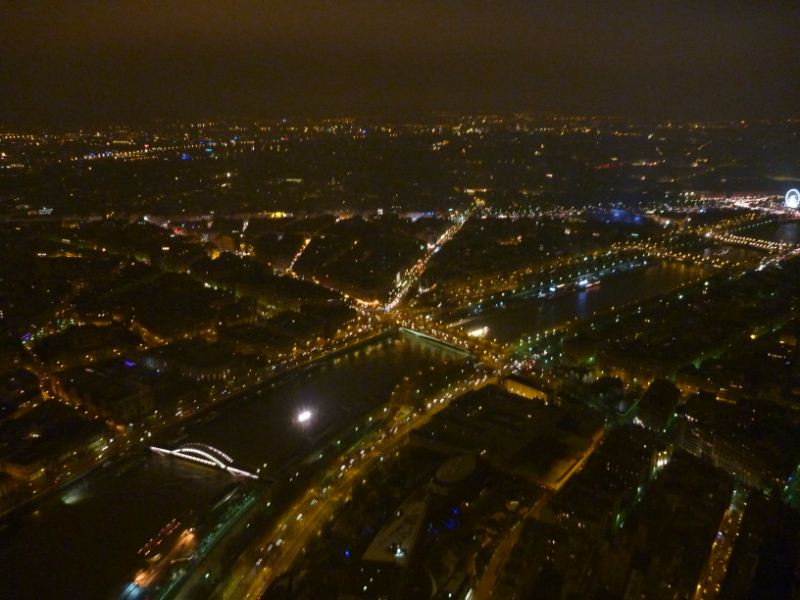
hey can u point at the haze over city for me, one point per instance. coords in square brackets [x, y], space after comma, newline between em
[80, 63]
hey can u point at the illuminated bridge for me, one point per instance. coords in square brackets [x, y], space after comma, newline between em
[437, 339]
[205, 455]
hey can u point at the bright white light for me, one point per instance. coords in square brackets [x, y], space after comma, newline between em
[304, 416]
[478, 332]
[792, 199]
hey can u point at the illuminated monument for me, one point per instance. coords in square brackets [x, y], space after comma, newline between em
[792, 199]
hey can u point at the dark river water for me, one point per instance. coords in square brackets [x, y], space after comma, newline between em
[83, 543]
[778, 232]
[525, 317]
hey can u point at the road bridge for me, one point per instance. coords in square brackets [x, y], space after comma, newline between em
[425, 337]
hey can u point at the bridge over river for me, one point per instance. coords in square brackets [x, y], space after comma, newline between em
[205, 455]
[106, 518]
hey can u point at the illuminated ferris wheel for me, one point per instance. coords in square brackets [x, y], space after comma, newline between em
[792, 199]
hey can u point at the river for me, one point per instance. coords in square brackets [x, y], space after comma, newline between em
[778, 232]
[83, 543]
[519, 318]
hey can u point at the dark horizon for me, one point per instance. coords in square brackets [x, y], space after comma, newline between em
[75, 64]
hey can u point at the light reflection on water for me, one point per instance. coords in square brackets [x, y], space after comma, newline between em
[532, 315]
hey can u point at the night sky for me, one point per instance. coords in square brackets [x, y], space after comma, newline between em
[85, 62]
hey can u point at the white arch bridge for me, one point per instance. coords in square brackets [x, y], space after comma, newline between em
[205, 455]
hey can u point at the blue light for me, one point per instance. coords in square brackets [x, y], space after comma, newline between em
[132, 591]
[450, 523]
[185, 157]
[347, 553]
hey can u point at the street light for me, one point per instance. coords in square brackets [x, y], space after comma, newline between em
[304, 416]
